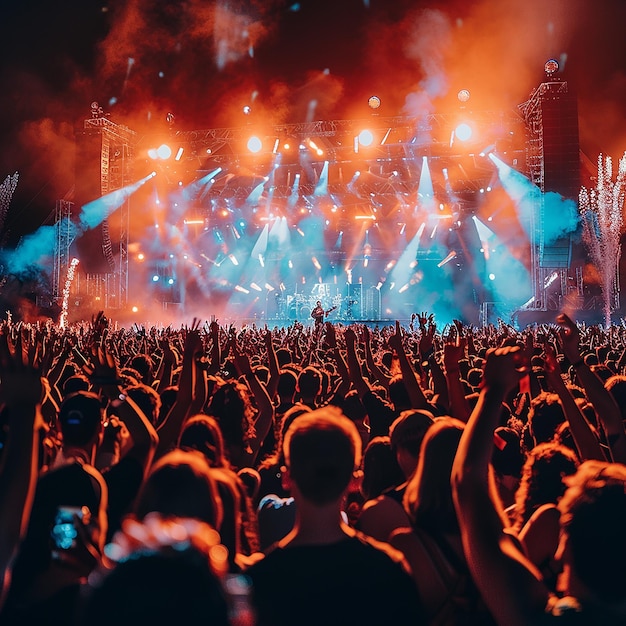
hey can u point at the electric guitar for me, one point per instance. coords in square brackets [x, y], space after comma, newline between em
[324, 314]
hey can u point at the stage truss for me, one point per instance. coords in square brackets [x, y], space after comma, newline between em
[516, 137]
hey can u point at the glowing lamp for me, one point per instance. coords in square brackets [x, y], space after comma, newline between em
[374, 102]
[366, 138]
[254, 144]
[164, 151]
[551, 67]
[463, 132]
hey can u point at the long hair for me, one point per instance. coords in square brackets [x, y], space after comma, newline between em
[231, 406]
[428, 496]
[542, 479]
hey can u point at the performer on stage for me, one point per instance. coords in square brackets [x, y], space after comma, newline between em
[318, 314]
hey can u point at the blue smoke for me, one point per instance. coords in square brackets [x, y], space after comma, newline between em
[560, 217]
[33, 252]
[95, 212]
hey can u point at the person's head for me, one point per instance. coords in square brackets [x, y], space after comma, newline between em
[283, 356]
[507, 457]
[386, 359]
[602, 372]
[160, 572]
[322, 449]
[616, 385]
[318, 303]
[142, 363]
[147, 399]
[287, 383]
[542, 479]
[380, 468]
[353, 408]
[428, 496]
[309, 383]
[474, 376]
[262, 373]
[81, 416]
[398, 393]
[231, 406]
[202, 433]
[228, 488]
[278, 456]
[180, 484]
[406, 434]
[168, 398]
[76, 382]
[593, 518]
[544, 417]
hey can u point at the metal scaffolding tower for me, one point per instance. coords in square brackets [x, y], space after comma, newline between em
[116, 160]
[550, 116]
[64, 236]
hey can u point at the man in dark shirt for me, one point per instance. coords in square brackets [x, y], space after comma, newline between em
[323, 571]
[318, 314]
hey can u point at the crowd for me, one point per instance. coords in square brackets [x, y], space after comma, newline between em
[322, 474]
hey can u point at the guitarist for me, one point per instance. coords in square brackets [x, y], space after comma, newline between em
[318, 314]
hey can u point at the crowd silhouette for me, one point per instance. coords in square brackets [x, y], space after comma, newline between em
[323, 473]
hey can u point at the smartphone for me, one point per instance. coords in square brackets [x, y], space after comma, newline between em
[64, 531]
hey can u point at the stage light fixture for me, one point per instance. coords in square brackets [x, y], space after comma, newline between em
[254, 144]
[366, 137]
[463, 132]
[463, 95]
[164, 151]
[551, 67]
[373, 102]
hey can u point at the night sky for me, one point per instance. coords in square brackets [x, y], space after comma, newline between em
[203, 61]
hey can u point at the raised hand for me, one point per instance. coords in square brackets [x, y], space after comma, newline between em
[503, 368]
[20, 374]
[453, 352]
[169, 356]
[569, 337]
[330, 336]
[193, 342]
[350, 336]
[241, 360]
[426, 343]
[395, 339]
[102, 369]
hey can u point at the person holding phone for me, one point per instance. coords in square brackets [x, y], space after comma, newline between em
[66, 533]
